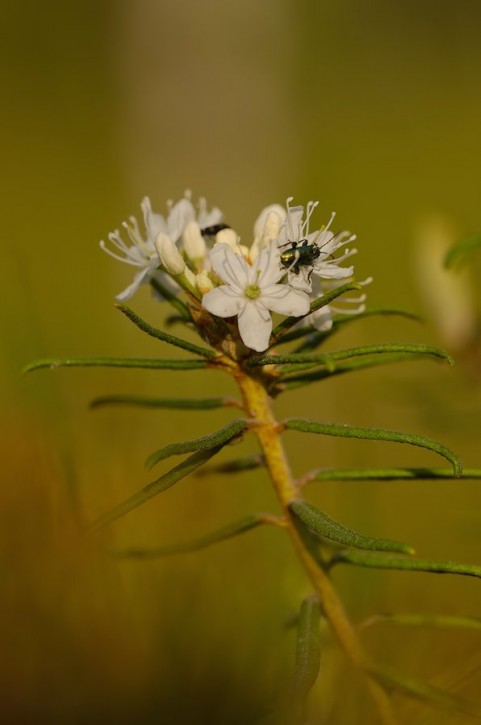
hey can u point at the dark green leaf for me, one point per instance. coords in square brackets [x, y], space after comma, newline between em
[314, 338]
[290, 381]
[460, 253]
[390, 562]
[388, 474]
[316, 305]
[237, 466]
[321, 524]
[218, 439]
[308, 650]
[156, 487]
[117, 362]
[172, 403]
[346, 431]
[165, 336]
[327, 358]
[227, 532]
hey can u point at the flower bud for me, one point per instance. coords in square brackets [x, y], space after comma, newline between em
[204, 283]
[228, 236]
[194, 243]
[266, 219]
[169, 255]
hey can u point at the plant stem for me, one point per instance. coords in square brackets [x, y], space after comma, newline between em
[267, 429]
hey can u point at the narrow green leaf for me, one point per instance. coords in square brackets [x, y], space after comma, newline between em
[460, 252]
[373, 561]
[171, 298]
[323, 525]
[290, 381]
[117, 362]
[327, 358]
[165, 336]
[172, 320]
[171, 403]
[317, 338]
[227, 532]
[248, 463]
[316, 305]
[378, 434]
[158, 486]
[308, 650]
[389, 474]
[425, 621]
[218, 439]
[314, 338]
[292, 358]
[424, 692]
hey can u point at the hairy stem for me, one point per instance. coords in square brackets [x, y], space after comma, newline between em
[267, 429]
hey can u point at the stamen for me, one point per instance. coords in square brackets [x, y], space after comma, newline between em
[311, 205]
[340, 311]
[365, 282]
[117, 256]
[289, 221]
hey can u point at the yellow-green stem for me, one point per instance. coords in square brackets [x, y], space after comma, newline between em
[267, 429]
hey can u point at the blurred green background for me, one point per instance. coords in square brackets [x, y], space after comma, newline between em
[374, 109]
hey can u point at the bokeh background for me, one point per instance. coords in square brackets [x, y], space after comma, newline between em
[373, 108]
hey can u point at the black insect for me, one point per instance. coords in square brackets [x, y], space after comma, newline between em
[299, 254]
[213, 230]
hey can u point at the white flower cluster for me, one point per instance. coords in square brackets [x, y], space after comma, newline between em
[286, 267]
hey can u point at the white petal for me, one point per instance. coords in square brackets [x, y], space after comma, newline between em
[154, 223]
[268, 262]
[301, 280]
[255, 326]
[332, 271]
[180, 214]
[230, 267]
[285, 300]
[223, 302]
[294, 223]
[140, 278]
[209, 218]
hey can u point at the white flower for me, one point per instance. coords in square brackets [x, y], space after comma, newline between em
[251, 291]
[141, 252]
[323, 244]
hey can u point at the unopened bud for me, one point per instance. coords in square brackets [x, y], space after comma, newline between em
[228, 236]
[194, 243]
[204, 283]
[169, 255]
[272, 216]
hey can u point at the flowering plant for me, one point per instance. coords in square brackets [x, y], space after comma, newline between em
[227, 292]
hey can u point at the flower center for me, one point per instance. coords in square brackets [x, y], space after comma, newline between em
[252, 291]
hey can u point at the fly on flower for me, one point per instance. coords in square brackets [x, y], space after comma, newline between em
[300, 254]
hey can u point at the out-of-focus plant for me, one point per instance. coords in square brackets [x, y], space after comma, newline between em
[226, 292]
